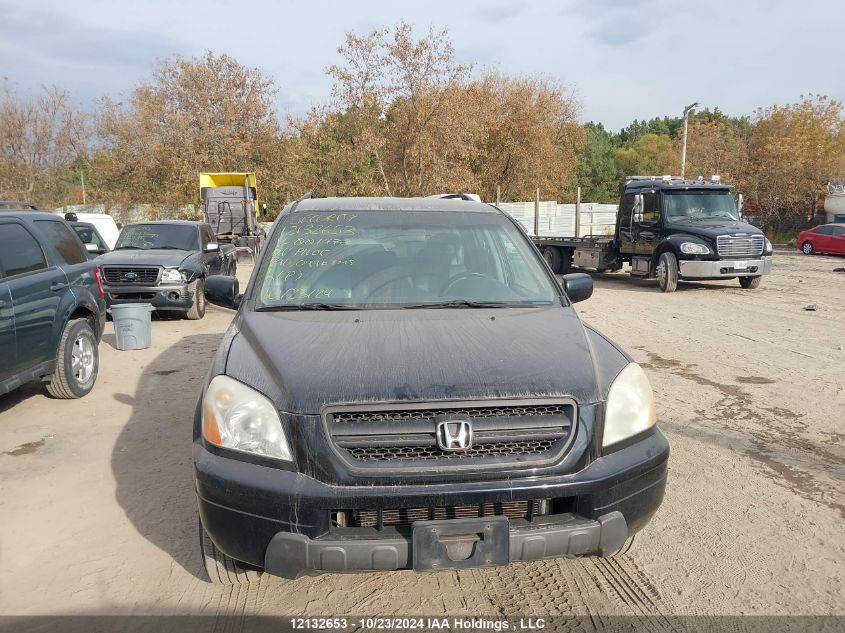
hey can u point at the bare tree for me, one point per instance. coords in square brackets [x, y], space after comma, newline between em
[41, 137]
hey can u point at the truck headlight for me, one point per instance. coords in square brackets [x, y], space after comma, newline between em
[630, 406]
[172, 274]
[768, 250]
[238, 417]
[693, 248]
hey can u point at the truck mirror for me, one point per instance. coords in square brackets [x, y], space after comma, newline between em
[223, 291]
[639, 204]
[263, 209]
[739, 202]
[578, 286]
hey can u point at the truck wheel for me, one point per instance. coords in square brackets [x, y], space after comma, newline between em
[77, 361]
[197, 310]
[807, 248]
[667, 272]
[222, 569]
[552, 256]
[750, 282]
[233, 267]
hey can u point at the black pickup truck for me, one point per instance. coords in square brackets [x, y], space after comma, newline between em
[669, 229]
[165, 264]
[407, 385]
[52, 306]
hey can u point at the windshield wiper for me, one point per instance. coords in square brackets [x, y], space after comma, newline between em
[120, 248]
[167, 248]
[288, 307]
[462, 303]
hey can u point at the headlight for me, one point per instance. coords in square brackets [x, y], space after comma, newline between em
[630, 406]
[238, 417]
[691, 248]
[172, 274]
[769, 247]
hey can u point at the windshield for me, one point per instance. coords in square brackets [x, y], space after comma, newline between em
[153, 236]
[407, 259]
[683, 206]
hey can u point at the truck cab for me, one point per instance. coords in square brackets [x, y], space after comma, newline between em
[670, 229]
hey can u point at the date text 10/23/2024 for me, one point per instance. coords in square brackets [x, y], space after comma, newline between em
[417, 623]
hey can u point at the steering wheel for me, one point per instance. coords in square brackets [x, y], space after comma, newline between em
[460, 277]
[368, 286]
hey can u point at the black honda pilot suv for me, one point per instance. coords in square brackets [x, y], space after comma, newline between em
[407, 385]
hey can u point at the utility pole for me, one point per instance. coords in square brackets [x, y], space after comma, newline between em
[687, 110]
[82, 177]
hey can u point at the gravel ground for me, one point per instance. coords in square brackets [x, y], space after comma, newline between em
[98, 511]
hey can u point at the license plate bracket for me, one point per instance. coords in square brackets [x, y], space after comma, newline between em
[740, 265]
[438, 545]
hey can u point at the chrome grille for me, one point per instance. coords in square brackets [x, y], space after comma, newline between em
[740, 245]
[405, 436]
[137, 275]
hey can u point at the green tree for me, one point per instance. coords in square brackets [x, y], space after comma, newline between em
[597, 174]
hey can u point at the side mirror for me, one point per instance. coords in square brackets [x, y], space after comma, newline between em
[211, 247]
[223, 291]
[92, 248]
[739, 202]
[263, 210]
[578, 286]
[639, 205]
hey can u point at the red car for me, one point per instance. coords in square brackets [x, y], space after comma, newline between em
[827, 238]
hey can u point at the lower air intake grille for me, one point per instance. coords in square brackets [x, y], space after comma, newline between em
[406, 516]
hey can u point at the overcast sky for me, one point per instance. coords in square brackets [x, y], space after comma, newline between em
[625, 59]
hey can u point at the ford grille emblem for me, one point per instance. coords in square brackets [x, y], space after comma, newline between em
[130, 276]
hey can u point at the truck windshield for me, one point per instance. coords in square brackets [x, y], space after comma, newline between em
[356, 260]
[699, 205]
[155, 236]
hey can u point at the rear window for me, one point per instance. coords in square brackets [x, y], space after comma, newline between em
[65, 241]
[19, 251]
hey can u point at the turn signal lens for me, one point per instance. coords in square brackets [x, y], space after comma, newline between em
[240, 418]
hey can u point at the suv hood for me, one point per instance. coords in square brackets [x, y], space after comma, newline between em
[152, 257]
[305, 360]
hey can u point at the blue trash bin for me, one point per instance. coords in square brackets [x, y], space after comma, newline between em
[132, 325]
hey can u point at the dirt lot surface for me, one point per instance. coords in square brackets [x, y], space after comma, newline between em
[98, 511]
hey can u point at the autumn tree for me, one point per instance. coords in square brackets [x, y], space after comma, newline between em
[794, 151]
[43, 140]
[650, 155]
[715, 148]
[200, 114]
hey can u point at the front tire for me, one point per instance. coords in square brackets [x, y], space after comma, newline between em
[749, 283]
[667, 272]
[197, 309]
[222, 569]
[77, 361]
[807, 248]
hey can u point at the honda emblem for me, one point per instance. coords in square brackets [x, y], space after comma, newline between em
[454, 435]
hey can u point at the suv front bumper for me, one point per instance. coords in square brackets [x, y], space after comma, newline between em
[170, 296]
[721, 268]
[279, 520]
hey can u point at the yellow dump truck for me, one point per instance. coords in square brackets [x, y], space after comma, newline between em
[230, 206]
